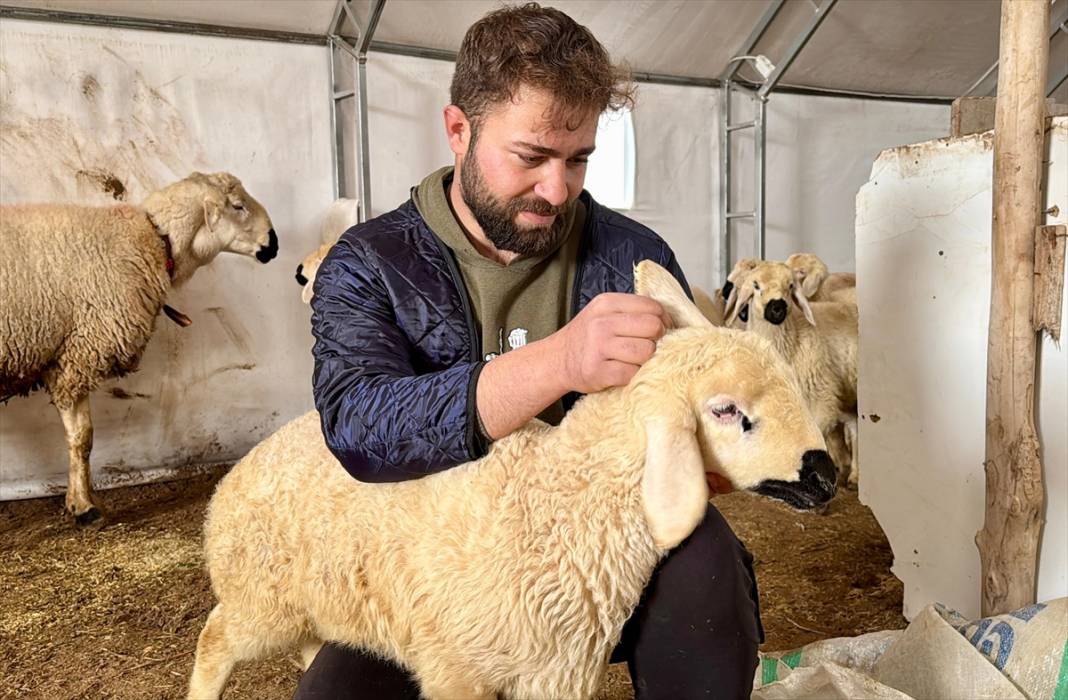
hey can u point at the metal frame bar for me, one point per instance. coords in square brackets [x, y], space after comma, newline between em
[799, 43]
[158, 25]
[1057, 23]
[1056, 81]
[357, 50]
[759, 126]
[223, 31]
[754, 36]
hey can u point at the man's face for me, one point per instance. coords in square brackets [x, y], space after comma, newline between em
[521, 172]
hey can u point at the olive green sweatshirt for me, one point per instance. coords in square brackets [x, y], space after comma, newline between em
[515, 304]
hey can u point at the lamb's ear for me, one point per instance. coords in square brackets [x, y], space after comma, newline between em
[799, 297]
[655, 282]
[739, 303]
[809, 283]
[674, 489]
[212, 212]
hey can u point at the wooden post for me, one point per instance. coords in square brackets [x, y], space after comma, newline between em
[1008, 542]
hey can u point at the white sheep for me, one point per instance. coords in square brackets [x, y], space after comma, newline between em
[82, 286]
[819, 340]
[818, 284]
[340, 217]
[730, 287]
[512, 574]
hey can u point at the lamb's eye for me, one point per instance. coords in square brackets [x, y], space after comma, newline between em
[747, 425]
[756, 286]
[238, 206]
[725, 410]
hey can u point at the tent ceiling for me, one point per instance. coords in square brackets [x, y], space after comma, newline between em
[878, 46]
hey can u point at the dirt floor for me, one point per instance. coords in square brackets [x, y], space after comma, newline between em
[115, 612]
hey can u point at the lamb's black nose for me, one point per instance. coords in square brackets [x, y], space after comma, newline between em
[301, 279]
[267, 253]
[818, 472]
[775, 311]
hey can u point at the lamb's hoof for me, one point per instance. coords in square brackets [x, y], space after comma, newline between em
[94, 516]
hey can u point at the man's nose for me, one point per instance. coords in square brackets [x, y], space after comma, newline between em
[553, 184]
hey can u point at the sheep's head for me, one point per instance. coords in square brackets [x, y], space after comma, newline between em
[307, 268]
[767, 293]
[719, 400]
[809, 270]
[734, 279]
[204, 215]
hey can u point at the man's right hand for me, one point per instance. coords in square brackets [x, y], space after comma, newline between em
[606, 343]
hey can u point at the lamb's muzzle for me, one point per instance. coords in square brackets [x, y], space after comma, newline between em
[775, 311]
[267, 253]
[817, 483]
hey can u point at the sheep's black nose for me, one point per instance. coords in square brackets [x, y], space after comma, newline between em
[301, 279]
[267, 253]
[775, 311]
[819, 474]
[727, 289]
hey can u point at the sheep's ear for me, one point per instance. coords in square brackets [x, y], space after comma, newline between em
[655, 282]
[732, 299]
[212, 212]
[809, 283]
[802, 301]
[739, 302]
[674, 489]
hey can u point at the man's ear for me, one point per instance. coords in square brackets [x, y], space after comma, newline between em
[655, 282]
[457, 130]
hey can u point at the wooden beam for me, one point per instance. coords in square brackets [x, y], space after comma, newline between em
[1049, 279]
[974, 115]
[1008, 542]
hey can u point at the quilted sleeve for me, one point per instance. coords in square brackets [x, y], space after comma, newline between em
[380, 419]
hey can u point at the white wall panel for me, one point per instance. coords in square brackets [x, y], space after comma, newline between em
[84, 106]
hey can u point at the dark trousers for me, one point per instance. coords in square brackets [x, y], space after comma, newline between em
[693, 635]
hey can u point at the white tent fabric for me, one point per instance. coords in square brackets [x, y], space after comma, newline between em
[933, 49]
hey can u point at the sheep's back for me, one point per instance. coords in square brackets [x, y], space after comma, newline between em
[76, 280]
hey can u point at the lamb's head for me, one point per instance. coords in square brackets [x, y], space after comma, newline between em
[734, 280]
[204, 215]
[307, 268]
[719, 400]
[768, 291]
[809, 270]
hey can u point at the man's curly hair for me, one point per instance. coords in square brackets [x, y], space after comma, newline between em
[541, 48]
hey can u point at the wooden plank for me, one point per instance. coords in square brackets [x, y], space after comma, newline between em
[1008, 542]
[971, 115]
[1049, 279]
[974, 115]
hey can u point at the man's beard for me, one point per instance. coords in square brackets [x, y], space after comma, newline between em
[498, 221]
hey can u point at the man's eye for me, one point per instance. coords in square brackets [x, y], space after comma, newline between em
[530, 160]
[580, 161]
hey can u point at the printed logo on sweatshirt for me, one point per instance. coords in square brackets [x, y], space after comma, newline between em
[516, 339]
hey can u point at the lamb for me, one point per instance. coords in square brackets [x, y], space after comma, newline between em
[83, 287]
[817, 284]
[512, 574]
[819, 340]
[340, 217]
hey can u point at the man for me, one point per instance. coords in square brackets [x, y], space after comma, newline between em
[501, 291]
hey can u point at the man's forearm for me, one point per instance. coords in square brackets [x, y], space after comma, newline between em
[518, 385]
